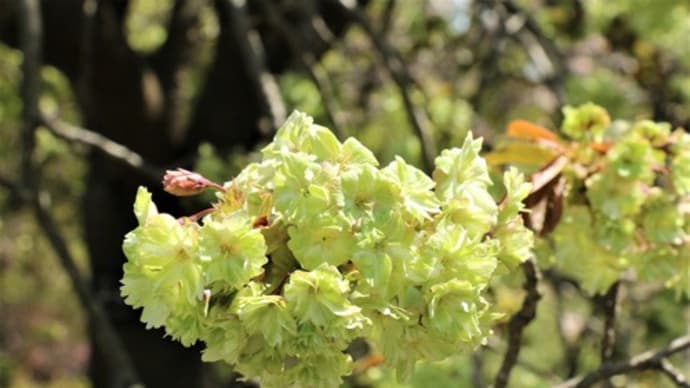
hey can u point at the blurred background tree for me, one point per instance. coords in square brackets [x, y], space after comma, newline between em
[200, 84]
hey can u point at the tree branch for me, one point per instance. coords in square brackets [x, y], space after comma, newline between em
[401, 76]
[608, 340]
[232, 109]
[31, 42]
[477, 380]
[108, 147]
[387, 17]
[519, 321]
[308, 62]
[570, 349]
[30, 37]
[249, 42]
[172, 58]
[645, 361]
[104, 333]
[542, 47]
[177, 49]
[672, 373]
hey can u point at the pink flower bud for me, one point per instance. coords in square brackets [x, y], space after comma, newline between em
[183, 183]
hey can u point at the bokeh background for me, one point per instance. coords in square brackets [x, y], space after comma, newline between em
[202, 84]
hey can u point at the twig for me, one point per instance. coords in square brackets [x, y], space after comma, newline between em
[89, 11]
[174, 56]
[249, 43]
[109, 147]
[672, 373]
[608, 340]
[9, 185]
[644, 361]
[488, 59]
[31, 42]
[402, 78]
[103, 331]
[519, 321]
[570, 352]
[554, 57]
[477, 380]
[311, 66]
[387, 17]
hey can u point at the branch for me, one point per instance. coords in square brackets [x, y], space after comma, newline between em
[31, 42]
[519, 321]
[543, 50]
[308, 62]
[177, 50]
[672, 373]
[570, 350]
[645, 361]
[402, 78]
[13, 188]
[477, 381]
[608, 340]
[176, 54]
[103, 331]
[270, 101]
[109, 147]
[387, 17]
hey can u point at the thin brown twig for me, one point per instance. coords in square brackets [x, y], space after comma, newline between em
[249, 43]
[103, 331]
[173, 59]
[105, 335]
[608, 339]
[477, 380]
[556, 78]
[570, 350]
[400, 74]
[387, 17]
[9, 185]
[672, 373]
[31, 36]
[644, 361]
[109, 147]
[519, 321]
[315, 71]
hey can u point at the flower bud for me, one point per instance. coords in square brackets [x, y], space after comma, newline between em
[184, 183]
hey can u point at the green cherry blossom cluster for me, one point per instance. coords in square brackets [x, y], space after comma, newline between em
[315, 246]
[627, 202]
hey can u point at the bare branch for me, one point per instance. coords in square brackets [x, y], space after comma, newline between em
[672, 373]
[387, 17]
[571, 350]
[31, 37]
[542, 50]
[13, 188]
[103, 332]
[271, 102]
[175, 55]
[109, 147]
[608, 340]
[401, 76]
[177, 49]
[31, 42]
[519, 321]
[477, 381]
[313, 68]
[645, 361]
